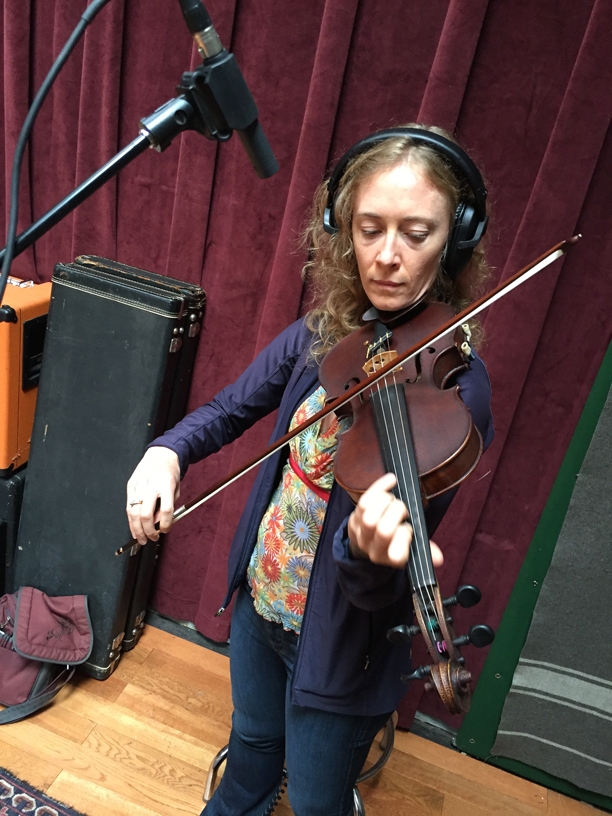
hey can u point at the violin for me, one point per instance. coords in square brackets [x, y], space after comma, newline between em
[411, 423]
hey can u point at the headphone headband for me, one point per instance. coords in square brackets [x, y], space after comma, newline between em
[470, 217]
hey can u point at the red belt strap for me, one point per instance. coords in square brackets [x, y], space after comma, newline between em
[322, 494]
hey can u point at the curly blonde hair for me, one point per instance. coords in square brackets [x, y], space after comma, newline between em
[331, 269]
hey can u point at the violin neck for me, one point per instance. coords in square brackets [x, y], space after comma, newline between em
[397, 450]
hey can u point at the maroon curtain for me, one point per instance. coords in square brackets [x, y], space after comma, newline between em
[525, 88]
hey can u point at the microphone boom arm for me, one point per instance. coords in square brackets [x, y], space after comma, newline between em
[203, 107]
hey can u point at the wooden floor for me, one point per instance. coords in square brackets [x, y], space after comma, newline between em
[140, 743]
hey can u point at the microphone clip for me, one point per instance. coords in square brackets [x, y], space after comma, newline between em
[214, 100]
[220, 96]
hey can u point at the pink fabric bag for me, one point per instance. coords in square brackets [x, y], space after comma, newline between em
[38, 635]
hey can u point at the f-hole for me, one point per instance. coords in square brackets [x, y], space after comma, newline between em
[418, 366]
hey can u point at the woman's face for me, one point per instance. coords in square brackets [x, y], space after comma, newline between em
[400, 226]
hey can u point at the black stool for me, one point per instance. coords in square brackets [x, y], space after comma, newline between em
[386, 746]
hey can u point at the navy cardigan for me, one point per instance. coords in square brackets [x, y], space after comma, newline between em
[344, 661]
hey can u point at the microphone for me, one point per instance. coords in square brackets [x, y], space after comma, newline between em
[229, 104]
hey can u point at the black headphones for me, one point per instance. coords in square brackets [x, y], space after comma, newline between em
[470, 216]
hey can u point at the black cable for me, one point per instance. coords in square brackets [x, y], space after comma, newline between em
[87, 16]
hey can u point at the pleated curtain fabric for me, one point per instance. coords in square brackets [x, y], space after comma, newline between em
[525, 88]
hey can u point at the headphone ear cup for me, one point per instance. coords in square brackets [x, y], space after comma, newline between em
[329, 218]
[466, 223]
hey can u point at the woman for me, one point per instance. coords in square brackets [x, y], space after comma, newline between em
[318, 579]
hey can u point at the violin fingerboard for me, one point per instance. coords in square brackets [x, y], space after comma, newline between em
[397, 451]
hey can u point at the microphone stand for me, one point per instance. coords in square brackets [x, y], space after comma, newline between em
[214, 101]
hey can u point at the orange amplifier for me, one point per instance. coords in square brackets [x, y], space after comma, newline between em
[21, 345]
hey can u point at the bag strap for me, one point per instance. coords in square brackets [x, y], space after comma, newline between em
[21, 710]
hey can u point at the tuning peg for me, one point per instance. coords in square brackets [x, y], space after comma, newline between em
[417, 674]
[479, 635]
[402, 633]
[466, 596]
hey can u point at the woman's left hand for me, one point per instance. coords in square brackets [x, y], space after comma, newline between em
[378, 528]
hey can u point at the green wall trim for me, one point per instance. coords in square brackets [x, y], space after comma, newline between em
[479, 728]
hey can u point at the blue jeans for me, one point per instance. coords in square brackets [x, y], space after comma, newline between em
[323, 752]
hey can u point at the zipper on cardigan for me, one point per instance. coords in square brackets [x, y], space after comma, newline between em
[370, 640]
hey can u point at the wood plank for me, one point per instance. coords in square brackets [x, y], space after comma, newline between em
[485, 775]
[168, 712]
[559, 805]
[459, 807]
[19, 761]
[392, 793]
[138, 654]
[145, 729]
[96, 800]
[452, 783]
[61, 720]
[147, 761]
[185, 650]
[93, 762]
[108, 689]
[201, 693]
[162, 660]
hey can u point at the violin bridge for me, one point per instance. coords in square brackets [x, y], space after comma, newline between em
[378, 361]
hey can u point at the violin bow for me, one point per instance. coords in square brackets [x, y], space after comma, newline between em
[462, 317]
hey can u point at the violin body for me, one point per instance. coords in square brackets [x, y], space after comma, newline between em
[447, 444]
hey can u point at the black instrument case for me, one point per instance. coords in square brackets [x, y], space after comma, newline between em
[117, 364]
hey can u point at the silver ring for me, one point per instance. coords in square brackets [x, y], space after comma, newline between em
[135, 502]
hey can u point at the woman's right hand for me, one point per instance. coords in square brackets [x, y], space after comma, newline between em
[157, 477]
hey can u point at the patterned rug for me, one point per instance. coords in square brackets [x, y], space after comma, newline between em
[18, 797]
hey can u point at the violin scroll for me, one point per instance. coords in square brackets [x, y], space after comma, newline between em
[452, 682]
[447, 674]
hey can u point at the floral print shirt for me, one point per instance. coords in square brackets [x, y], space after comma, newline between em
[279, 570]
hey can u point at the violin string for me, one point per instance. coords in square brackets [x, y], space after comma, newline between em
[421, 563]
[422, 588]
[410, 482]
[408, 479]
